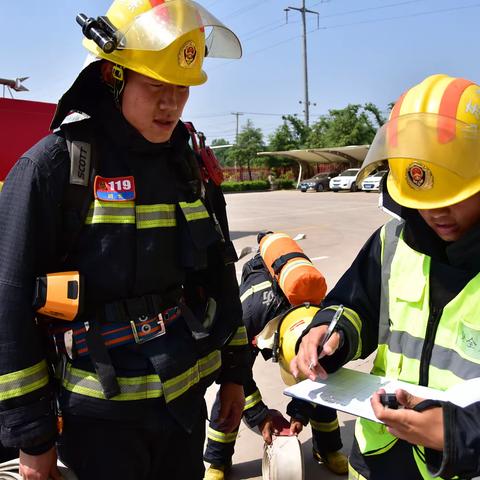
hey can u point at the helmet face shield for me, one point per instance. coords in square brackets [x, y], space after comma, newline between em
[163, 24]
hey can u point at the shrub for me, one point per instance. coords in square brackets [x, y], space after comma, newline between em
[284, 183]
[254, 185]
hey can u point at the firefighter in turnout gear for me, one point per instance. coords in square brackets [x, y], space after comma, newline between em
[263, 305]
[114, 218]
[412, 291]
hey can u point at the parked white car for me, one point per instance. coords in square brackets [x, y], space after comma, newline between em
[372, 183]
[345, 181]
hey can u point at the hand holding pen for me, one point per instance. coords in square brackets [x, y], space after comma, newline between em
[319, 342]
[330, 330]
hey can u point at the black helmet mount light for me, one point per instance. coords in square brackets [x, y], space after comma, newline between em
[100, 30]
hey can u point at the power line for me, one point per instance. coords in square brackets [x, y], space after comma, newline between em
[245, 8]
[411, 15]
[431, 12]
[264, 32]
[341, 14]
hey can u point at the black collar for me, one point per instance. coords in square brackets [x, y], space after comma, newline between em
[463, 254]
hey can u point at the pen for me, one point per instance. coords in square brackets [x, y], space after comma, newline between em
[328, 334]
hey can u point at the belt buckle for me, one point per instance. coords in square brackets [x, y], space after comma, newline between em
[147, 337]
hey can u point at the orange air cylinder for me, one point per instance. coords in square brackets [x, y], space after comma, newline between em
[295, 274]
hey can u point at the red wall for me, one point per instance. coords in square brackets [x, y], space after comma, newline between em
[22, 124]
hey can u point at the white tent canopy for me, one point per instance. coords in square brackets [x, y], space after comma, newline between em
[353, 155]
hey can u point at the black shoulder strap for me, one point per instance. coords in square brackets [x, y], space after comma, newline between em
[79, 192]
[281, 261]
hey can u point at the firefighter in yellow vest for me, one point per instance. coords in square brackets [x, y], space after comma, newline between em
[412, 293]
[161, 317]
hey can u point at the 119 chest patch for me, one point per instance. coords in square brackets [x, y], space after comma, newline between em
[117, 189]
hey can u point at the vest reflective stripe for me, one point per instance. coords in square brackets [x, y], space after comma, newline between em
[325, 427]
[353, 474]
[252, 400]
[151, 216]
[221, 437]
[373, 438]
[24, 381]
[255, 288]
[194, 211]
[392, 231]
[420, 460]
[86, 383]
[290, 267]
[110, 212]
[240, 338]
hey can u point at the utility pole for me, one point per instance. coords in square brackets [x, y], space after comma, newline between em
[304, 11]
[237, 114]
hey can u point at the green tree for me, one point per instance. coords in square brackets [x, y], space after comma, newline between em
[352, 125]
[220, 153]
[291, 135]
[250, 142]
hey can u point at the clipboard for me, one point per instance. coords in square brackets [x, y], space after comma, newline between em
[350, 391]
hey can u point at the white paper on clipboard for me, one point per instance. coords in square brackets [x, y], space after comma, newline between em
[350, 391]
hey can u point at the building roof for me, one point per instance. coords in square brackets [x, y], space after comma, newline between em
[349, 154]
[352, 155]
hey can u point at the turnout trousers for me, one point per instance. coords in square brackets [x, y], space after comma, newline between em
[154, 449]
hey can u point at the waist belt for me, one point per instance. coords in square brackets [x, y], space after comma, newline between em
[72, 339]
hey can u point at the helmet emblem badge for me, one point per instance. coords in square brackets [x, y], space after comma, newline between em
[187, 54]
[419, 177]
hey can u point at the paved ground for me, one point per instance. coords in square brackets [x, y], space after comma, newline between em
[336, 226]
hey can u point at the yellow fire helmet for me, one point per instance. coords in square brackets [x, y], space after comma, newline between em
[431, 143]
[166, 40]
[281, 335]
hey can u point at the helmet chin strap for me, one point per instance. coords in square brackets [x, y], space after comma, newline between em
[118, 84]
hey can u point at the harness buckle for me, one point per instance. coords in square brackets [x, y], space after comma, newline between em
[145, 334]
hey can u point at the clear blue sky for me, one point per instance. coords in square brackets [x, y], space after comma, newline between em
[364, 51]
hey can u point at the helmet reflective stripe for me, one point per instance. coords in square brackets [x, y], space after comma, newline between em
[392, 129]
[449, 107]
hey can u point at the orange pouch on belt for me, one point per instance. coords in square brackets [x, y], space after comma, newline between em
[295, 274]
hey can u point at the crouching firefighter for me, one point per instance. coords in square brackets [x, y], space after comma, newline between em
[121, 238]
[277, 304]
